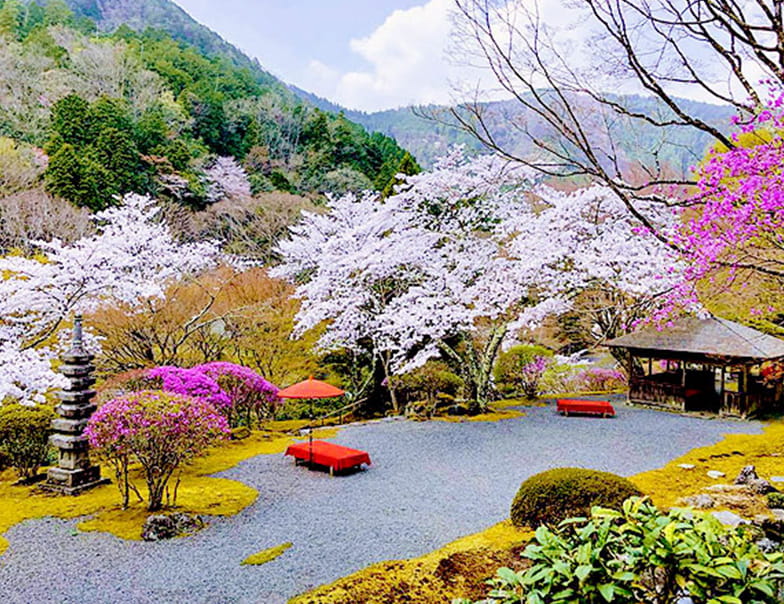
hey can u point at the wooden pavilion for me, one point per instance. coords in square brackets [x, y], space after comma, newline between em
[702, 365]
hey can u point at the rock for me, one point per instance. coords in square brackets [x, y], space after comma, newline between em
[761, 486]
[749, 477]
[703, 501]
[778, 513]
[727, 488]
[715, 474]
[457, 410]
[777, 478]
[768, 546]
[168, 526]
[686, 466]
[747, 474]
[729, 518]
[772, 527]
[240, 433]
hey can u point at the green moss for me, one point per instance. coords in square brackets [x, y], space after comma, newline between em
[266, 555]
[198, 493]
[552, 496]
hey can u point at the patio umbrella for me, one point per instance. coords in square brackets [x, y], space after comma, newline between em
[310, 389]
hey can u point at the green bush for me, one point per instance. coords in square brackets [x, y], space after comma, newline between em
[519, 370]
[775, 500]
[430, 385]
[554, 495]
[24, 437]
[640, 554]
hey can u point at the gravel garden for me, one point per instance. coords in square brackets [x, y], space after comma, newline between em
[430, 483]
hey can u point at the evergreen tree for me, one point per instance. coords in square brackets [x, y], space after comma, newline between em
[407, 166]
[115, 151]
[71, 120]
[64, 174]
[12, 16]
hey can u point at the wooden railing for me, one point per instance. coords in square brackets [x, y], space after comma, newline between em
[741, 404]
[657, 393]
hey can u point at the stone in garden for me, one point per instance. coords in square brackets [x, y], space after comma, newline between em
[749, 477]
[702, 501]
[168, 526]
[715, 474]
[746, 474]
[686, 466]
[768, 546]
[772, 527]
[729, 518]
[777, 478]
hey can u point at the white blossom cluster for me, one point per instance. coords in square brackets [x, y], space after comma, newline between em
[131, 258]
[469, 242]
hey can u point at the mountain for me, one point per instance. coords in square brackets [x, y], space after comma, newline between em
[138, 15]
[154, 109]
[423, 131]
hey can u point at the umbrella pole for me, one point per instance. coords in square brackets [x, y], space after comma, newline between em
[310, 437]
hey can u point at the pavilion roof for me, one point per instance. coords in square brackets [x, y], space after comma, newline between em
[712, 336]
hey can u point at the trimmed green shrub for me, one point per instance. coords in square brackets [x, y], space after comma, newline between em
[554, 495]
[776, 500]
[24, 437]
[429, 385]
[640, 554]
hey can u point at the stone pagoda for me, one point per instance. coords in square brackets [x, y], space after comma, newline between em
[74, 473]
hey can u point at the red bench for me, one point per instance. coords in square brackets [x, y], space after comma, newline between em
[322, 453]
[603, 408]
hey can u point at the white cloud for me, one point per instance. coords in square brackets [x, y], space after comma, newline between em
[407, 63]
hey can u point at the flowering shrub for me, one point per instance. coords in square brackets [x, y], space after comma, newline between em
[600, 379]
[191, 382]
[520, 369]
[160, 431]
[250, 395]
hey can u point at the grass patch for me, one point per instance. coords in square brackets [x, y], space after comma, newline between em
[493, 415]
[199, 493]
[266, 555]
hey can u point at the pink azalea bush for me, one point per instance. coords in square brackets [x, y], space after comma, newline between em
[600, 379]
[250, 394]
[159, 430]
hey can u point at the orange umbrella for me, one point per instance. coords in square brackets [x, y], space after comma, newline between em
[310, 389]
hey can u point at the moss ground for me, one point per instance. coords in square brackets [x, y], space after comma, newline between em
[455, 570]
[266, 555]
[199, 493]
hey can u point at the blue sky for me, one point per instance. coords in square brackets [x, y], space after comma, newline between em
[363, 54]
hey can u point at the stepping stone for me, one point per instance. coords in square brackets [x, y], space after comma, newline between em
[777, 478]
[686, 466]
[715, 474]
[729, 518]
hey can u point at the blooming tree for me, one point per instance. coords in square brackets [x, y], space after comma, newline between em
[226, 179]
[130, 259]
[160, 431]
[733, 241]
[456, 260]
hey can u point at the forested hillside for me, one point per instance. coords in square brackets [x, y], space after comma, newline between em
[427, 132]
[141, 111]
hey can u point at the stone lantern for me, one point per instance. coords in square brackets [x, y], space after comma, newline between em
[74, 473]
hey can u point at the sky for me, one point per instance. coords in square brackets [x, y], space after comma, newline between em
[362, 54]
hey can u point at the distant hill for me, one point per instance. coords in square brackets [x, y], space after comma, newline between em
[427, 139]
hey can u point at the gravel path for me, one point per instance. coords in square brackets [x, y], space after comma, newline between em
[429, 484]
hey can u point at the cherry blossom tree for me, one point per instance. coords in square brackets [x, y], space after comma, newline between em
[226, 179]
[130, 259]
[457, 260]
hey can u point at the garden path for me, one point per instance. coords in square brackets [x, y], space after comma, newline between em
[430, 483]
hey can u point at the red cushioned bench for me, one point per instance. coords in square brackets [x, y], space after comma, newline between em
[335, 457]
[603, 408]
